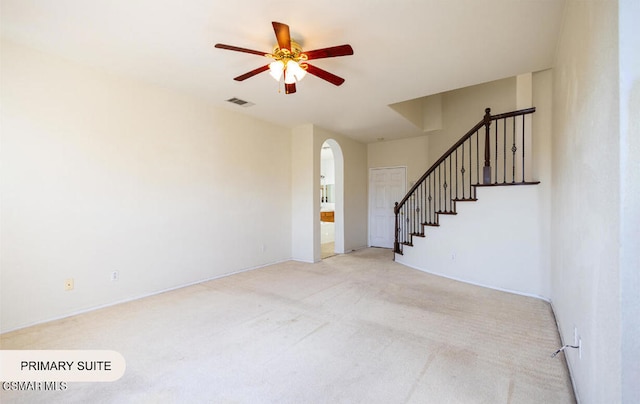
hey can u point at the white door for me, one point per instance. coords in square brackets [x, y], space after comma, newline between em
[386, 187]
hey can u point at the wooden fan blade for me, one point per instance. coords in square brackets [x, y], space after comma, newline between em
[325, 75]
[238, 49]
[282, 35]
[252, 73]
[331, 52]
[289, 88]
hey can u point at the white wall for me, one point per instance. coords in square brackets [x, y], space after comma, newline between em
[351, 193]
[495, 242]
[411, 153]
[303, 226]
[541, 128]
[101, 173]
[463, 108]
[629, 65]
[585, 225]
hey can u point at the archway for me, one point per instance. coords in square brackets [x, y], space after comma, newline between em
[331, 199]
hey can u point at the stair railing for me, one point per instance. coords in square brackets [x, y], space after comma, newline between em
[455, 176]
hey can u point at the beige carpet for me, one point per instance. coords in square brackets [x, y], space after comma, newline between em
[355, 328]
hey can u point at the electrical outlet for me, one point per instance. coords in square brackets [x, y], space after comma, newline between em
[68, 284]
[115, 275]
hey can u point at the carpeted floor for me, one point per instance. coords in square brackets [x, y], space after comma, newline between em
[355, 328]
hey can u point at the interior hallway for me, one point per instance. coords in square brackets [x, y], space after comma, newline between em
[354, 328]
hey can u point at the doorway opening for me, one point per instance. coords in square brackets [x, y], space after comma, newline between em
[331, 227]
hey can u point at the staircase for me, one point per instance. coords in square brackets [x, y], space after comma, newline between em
[495, 152]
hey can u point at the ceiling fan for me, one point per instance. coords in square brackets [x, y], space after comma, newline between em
[290, 61]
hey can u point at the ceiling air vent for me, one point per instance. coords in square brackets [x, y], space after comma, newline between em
[240, 102]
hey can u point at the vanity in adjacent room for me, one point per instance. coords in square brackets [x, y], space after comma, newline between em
[327, 201]
[326, 216]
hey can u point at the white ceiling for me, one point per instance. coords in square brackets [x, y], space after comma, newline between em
[403, 49]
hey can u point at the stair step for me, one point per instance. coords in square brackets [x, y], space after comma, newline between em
[407, 243]
[417, 234]
[465, 199]
[431, 224]
[505, 184]
[440, 212]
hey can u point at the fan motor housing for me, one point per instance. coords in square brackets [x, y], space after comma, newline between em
[295, 53]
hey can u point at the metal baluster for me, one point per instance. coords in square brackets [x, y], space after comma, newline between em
[406, 222]
[434, 219]
[496, 134]
[439, 188]
[396, 245]
[424, 195]
[450, 185]
[419, 190]
[445, 184]
[462, 171]
[400, 225]
[477, 158]
[411, 216]
[430, 217]
[420, 207]
[504, 150]
[523, 133]
[408, 219]
[418, 203]
[432, 195]
[424, 202]
[471, 189]
[416, 213]
[513, 152]
[456, 174]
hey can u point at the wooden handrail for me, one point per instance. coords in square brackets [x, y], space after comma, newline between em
[513, 113]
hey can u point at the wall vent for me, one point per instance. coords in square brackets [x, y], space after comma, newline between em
[240, 102]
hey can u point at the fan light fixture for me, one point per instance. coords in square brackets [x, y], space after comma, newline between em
[288, 63]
